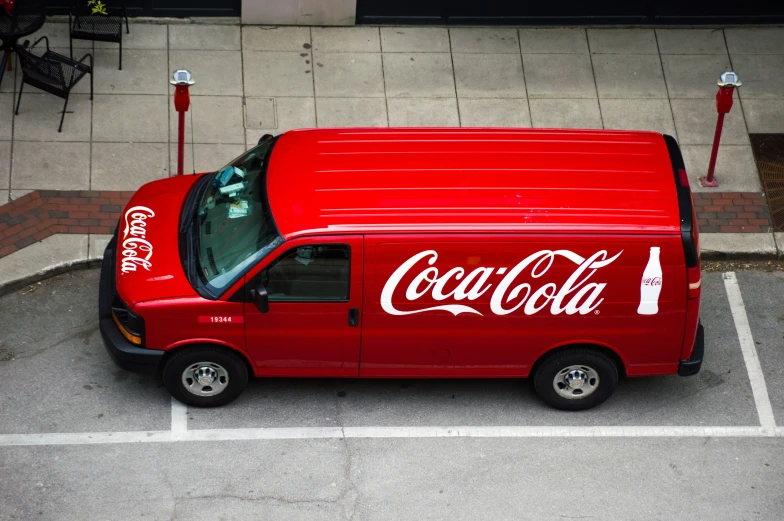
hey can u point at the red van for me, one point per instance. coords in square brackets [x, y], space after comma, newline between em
[567, 256]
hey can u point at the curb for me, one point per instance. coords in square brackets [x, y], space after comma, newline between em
[17, 284]
[714, 246]
[727, 246]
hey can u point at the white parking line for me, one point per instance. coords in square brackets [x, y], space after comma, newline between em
[179, 417]
[307, 433]
[756, 377]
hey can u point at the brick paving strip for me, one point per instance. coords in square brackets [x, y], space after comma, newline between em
[42, 213]
[732, 212]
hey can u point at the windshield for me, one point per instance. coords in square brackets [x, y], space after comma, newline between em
[235, 226]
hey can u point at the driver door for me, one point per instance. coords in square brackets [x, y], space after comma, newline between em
[312, 326]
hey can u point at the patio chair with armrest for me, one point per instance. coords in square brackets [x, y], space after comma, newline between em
[51, 72]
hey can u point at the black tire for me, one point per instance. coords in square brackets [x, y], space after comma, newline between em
[186, 357]
[604, 366]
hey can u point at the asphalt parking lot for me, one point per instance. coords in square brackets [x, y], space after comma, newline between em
[81, 439]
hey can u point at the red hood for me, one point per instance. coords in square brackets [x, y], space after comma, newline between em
[148, 257]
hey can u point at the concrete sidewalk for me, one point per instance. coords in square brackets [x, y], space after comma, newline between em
[254, 80]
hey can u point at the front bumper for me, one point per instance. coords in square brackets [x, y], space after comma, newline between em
[694, 363]
[125, 354]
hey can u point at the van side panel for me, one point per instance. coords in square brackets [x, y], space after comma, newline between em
[489, 305]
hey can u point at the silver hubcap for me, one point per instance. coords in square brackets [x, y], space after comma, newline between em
[205, 379]
[576, 382]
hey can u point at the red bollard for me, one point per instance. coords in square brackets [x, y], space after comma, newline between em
[727, 83]
[182, 80]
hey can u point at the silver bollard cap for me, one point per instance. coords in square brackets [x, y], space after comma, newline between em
[729, 79]
[182, 77]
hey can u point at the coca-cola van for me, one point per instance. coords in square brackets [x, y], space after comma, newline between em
[570, 257]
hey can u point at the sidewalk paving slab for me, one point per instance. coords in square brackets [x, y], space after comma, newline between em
[559, 76]
[691, 41]
[418, 75]
[57, 33]
[695, 121]
[346, 39]
[477, 112]
[217, 73]
[271, 38]
[484, 40]
[553, 40]
[351, 112]
[637, 114]
[150, 161]
[205, 37]
[10, 82]
[762, 75]
[6, 114]
[629, 76]
[565, 113]
[694, 75]
[755, 40]
[142, 36]
[5, 164]
[415, 39]
[419, 112]
[489, 75]
[144, 72]
[39, 117]
[764, 116]
[277, 73]
[735, 167]
[126, 118]
[57, 166]
[347, 74]
[290, 113]
[622, 41]
[210, 119]
[778, 237]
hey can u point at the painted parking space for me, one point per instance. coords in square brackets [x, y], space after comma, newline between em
[71, 386]
[762, 295]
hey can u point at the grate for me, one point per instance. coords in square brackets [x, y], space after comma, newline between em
[769, 154]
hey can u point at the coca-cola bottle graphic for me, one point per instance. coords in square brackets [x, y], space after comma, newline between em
[651, 284]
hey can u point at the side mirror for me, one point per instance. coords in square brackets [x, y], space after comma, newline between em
[260, 298]
[264, 138]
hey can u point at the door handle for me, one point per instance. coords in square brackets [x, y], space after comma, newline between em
[353, 317]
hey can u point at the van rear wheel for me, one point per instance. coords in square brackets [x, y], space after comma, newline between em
[205, 376]
[576, 379]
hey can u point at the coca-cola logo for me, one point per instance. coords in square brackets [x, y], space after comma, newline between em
[652, 281]
[136, 250]
[575, 296]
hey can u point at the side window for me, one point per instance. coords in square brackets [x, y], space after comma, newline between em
[319, 272]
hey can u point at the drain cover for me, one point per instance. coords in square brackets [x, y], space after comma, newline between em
[769, 154]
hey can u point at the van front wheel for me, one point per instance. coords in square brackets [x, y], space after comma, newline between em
[576, 379]
[205, 376]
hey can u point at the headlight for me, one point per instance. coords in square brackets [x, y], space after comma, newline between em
[130, 324]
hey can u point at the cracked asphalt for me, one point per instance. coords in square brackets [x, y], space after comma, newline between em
[55, 376]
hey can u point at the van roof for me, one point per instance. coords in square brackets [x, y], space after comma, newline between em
[469, 180]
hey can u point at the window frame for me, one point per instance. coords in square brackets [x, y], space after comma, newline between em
[261, 274]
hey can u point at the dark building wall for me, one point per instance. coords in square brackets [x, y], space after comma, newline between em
[521, 12]
[176, 8]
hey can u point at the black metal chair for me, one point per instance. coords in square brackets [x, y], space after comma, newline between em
[51, 72]
[86, 24]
